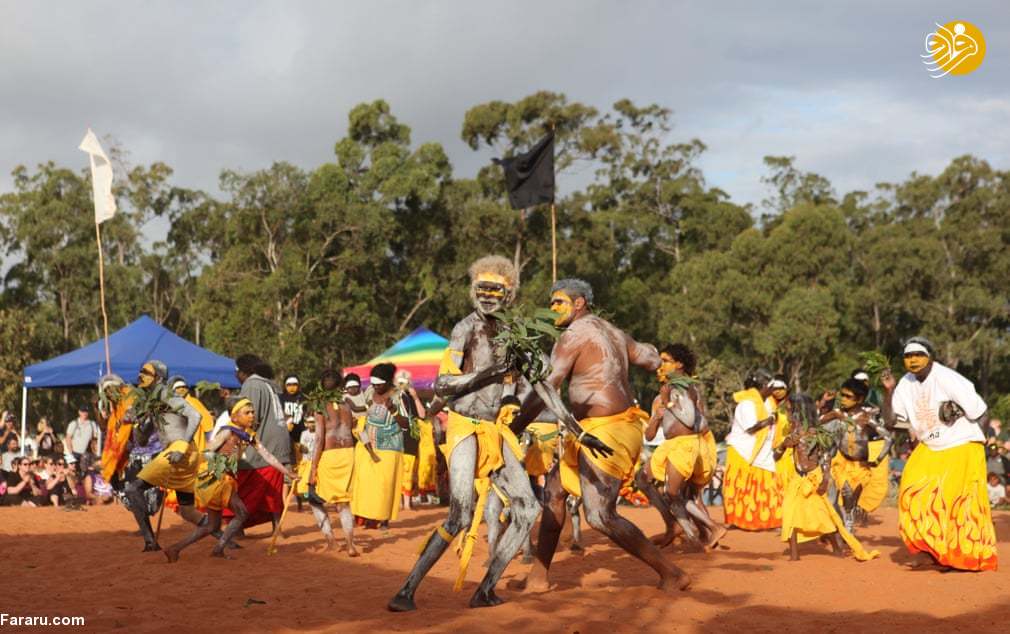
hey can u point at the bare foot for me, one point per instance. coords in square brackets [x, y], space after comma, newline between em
[576, 547]
[402, 602]
[536, 581]
[151, 547]
[681, 581]
[485, 599]
[172, 555]
[664, 540]
[352, 551]
[717, 534]
[220, 554]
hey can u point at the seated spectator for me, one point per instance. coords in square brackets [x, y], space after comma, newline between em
[46, 439]
[96, 489]
[12, 452]
[22, 490]
[994, 462]
[55, 487]
[997, 490]
[75, 494]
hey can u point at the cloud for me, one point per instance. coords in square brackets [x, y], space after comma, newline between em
[206, 86]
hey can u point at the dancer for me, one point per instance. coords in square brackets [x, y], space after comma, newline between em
[217, 488]
[593, 355]
[861, 478]
[332, 470]
[943, 506]
[474, 381]
[684, 463]
[752, 491]
[807, 514]
[175, 422]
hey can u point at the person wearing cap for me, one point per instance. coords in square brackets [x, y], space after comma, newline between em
[943, 506]
[81, 431]
[860, 467]
[293, 401]
[752, 489]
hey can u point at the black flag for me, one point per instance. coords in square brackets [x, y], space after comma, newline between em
[529, 177]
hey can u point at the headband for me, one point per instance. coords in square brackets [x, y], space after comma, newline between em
[861, 376]
[778, 384]
[242, 402]
[291, 381]
[916, 348]
[377, 381]
[355, 383]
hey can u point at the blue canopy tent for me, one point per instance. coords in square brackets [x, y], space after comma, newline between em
[129, 349]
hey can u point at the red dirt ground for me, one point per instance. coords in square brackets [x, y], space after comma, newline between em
[89, 564]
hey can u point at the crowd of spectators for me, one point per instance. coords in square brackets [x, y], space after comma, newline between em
[55, 469]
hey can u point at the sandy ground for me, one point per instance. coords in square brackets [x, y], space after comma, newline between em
[89, 564]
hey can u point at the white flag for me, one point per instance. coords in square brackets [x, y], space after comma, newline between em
[101, 178]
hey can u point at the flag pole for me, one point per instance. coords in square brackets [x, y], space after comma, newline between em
[554, 234]
[101, 282]
[554, 244]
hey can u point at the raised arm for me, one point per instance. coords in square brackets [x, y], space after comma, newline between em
[272, 461]
[561, 363]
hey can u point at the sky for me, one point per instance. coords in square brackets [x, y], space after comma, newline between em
[238, 85]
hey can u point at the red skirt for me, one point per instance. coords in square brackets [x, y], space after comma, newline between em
[262, 493]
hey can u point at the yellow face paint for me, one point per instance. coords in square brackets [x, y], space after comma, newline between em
[780, 394]
[181, 391]
[847, 400]
[563, 305]
[915, 362]
[146, 376]
[667, 366]
[492, 278]
[507, 413]
[245, 417]
[291, 389]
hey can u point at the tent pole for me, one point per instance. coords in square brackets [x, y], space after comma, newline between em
[24, 416]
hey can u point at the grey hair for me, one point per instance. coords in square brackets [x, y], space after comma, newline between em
[575, 288]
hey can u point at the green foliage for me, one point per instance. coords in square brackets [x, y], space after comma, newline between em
[217, 466]
[323, 266]
[523, 339]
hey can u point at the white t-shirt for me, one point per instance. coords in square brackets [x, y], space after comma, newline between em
[308, 440]
[745, 417]
[224, 418]
[919, 404]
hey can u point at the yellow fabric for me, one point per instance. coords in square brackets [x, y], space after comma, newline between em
[810, 515]
[181, 476]
[754, 397]
[304, 468]
[409, 462]
[541, 453]
[784, 466]
[242, 402]
[693, 456]
[376, 485]
[359, 427]
[875, 491]
[117, 437]
[206, 425]
[622, 432]
[752, 497]
[335, 473]
[943, 507]
[426, 459]
[490, 436]
[217, 495]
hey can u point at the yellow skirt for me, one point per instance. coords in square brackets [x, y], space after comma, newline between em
[752, 497]
[785, 467]
[810, 515]
[541, 453]
[376, 485]
[622, 432]
[943, 507]
[217, 495]
[693, 457]
[874, 480]
[181, 476]
[334, 474]
[426, 459]
[302, 486]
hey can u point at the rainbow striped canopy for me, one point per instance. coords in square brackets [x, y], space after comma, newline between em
[420, 353]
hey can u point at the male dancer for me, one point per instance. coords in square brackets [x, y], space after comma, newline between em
[332, 470]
